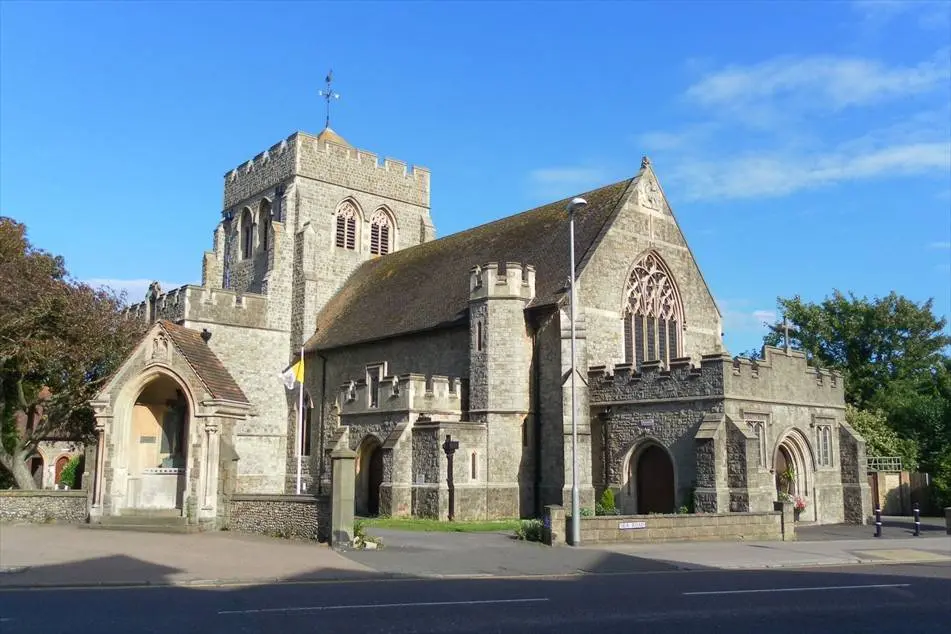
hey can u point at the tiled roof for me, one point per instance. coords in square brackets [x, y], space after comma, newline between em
[204, 362]
[427, 286]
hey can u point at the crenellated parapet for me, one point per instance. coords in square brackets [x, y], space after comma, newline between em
[681, 379]
[266, 169]
[782, 375]
[324, 159]
[495, 280]
[434, 395]
[192, 303]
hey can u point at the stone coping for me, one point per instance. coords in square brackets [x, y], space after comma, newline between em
[278, 497]
[26, 493]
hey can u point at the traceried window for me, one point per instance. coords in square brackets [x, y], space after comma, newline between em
[346, 229]
[247, 233]
[381, 232]
[653, 313]
[264, 222]
[757, 427]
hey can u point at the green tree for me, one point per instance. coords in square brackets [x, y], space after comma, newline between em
[60, 340]
[881, 440]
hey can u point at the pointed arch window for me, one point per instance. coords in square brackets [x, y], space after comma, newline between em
[381, 232]
[346, 229]
[247, 233]
[653, 313]
[264, 221]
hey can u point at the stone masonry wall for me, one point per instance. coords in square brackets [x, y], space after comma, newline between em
[256, 357]
[668, 528]
[645, 223]
[296, 516]
[67, 507]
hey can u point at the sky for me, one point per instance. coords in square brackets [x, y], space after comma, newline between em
[804, 146]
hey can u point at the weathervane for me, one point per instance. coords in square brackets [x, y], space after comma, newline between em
[328, 94]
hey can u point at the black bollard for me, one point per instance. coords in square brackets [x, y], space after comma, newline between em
[917, 521]
[878, 521]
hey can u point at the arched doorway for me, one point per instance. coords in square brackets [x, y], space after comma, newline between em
[653, 474]
[158, 447]
[61, 463]
[36, 470]
[369, 477]
[786, 472]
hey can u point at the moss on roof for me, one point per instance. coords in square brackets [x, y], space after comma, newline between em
[427, 286]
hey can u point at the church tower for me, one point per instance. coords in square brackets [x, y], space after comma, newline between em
[297, 220]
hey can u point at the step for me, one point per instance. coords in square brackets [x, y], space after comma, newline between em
[144, 528]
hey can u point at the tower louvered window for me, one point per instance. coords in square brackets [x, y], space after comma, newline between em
[346, 229]
[653, 314]
[380, 231]
[247, 233]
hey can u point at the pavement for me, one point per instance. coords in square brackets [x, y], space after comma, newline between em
[71, 556]
[892, 598]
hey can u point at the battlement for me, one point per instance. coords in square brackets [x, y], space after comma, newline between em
[403, 393]
[681, 379]
[781, 375]
[203, 304]
[329, 161]
[491, 280]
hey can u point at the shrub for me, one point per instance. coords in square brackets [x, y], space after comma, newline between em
[71, 473]
[606, 505]
[529, 530]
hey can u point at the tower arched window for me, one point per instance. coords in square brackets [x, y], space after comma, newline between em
[653, 313]
[247, 233]
[381, 233]
[346, 226]
[264, 221]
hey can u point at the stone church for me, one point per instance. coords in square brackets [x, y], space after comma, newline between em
[410, 341]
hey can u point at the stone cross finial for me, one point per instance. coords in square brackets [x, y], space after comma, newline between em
[645, 162]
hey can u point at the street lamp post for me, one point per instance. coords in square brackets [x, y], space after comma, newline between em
[573, 206]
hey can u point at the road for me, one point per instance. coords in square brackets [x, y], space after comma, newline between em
[912, 598]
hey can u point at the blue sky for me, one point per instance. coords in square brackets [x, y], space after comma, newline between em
[804, 146]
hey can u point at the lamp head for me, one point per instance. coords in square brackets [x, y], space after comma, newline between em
[576, 204]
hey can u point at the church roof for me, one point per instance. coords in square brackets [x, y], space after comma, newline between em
[329, 136]
[427, 286]
[205, 363]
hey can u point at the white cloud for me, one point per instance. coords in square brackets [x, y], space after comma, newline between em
[793, 84]
[739, 318]
[135, 289]
[930, 14]
[558, 182]
[944, 246]
[770, 175]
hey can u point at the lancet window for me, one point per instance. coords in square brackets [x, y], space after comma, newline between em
[381, 233]
[346, 229]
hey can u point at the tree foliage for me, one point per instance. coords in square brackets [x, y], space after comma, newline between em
[893, 354]
[60, 339]
[881, 440]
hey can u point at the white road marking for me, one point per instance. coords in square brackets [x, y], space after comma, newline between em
[879, 585]
[318, 608]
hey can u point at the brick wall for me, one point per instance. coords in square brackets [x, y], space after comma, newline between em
[68, 507]
[298, 516]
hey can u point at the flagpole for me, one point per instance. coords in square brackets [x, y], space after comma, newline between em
[300, 422]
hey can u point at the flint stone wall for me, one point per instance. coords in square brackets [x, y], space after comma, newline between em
[66, 507]
[295, 516]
